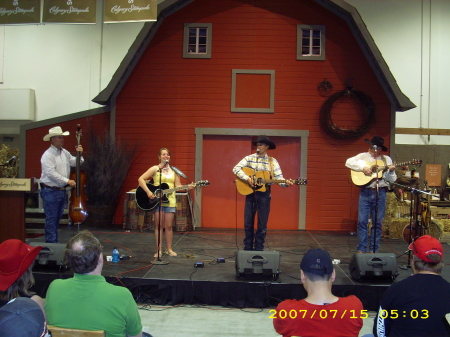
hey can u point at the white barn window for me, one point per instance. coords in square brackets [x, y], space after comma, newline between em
[197, 40]
[311, 42]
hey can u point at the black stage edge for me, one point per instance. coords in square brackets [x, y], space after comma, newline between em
[179, 282]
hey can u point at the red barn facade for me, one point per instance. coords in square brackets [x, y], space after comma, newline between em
[253, 79]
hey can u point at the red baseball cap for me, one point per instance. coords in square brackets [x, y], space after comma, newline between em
[426, 245]
[15, 258]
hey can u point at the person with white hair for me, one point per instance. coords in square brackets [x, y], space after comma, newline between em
[56, 163]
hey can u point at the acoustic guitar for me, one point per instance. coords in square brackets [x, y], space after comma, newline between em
[260, 179]
[377, 167]
[160, 192]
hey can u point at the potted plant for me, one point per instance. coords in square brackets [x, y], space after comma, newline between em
[106, 164]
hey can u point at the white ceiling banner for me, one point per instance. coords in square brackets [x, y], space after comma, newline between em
[69, 11]
[130, 10]
[20, 12]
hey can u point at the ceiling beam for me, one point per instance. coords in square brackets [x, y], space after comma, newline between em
[422, 131]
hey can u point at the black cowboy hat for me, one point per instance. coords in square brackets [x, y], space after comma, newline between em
[378, 141]
[265, 140]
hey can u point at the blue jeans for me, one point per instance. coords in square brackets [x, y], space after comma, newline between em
[54, 202]
[366, 208]
[256, 202]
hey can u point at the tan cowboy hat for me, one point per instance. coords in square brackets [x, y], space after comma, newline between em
[55, 131]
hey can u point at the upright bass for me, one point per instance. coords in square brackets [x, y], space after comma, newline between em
[77, 205]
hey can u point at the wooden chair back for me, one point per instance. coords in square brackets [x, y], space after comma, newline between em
[66, 332]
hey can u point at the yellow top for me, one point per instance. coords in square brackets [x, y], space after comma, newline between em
[169, 180]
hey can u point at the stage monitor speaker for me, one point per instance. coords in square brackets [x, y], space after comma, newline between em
[373, 265]
[260, 263]
[50, 254]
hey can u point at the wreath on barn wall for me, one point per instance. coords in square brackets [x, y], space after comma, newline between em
[368, 110]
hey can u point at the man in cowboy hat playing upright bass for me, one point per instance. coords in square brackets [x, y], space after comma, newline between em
[368, 205]
[55, 163]
[258, 201]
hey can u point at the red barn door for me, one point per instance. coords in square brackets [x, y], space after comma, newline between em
[222, 205]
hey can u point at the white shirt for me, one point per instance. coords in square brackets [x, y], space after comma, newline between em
[358, 162]
[56, 166]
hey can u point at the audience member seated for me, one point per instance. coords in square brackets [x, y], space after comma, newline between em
[320, 313]
[417, 306]
[16, 277]
[86, 301]
[22, 317]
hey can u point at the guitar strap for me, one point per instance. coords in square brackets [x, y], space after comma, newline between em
[386, 165]
[271, 167]
[269, 187]
[384, 160]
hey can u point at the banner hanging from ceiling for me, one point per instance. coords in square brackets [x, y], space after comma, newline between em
[20, 12]
[130, 10]
[69, 11]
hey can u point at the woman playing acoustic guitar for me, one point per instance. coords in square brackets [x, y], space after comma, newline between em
[165, 211]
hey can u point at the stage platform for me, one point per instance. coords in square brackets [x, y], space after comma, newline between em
[180, 282]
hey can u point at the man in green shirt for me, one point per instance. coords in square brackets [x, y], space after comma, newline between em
[87, 301]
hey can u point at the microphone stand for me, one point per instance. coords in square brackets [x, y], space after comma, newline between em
[158, 260]
[377, 196]
[255, 199]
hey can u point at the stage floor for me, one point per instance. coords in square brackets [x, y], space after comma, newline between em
[179, 281]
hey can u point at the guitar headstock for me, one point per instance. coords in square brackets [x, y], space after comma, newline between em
[202, 183]
[78, 134]
[416, 162]
[300, 181]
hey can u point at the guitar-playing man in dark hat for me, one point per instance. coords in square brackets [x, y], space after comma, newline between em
[258, 201]
[368, 205]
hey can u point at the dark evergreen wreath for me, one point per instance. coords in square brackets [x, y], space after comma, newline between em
[335, 131]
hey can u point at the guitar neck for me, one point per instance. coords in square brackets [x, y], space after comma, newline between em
[170, 190]
[273, 181]
[381, 168]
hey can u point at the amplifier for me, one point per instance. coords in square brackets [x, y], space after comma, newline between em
[264, 263]
[373, 265]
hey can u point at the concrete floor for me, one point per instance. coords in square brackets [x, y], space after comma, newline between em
[207, 321]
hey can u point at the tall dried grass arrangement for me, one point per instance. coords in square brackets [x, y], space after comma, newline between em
[106, 164]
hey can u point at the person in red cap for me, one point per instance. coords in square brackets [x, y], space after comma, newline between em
[16, 277]
[370, 203]
[417, 305]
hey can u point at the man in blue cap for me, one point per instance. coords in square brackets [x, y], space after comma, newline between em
[22, 317]
[320, 313]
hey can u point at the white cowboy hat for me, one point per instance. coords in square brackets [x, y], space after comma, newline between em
[55, 131]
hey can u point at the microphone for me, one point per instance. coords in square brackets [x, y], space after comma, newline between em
[10, 160]
[166, 163]
[374, 147]
[257, 151]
